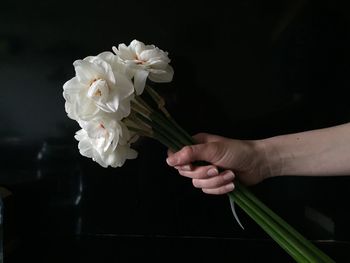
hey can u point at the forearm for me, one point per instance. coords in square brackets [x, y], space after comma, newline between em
[317, 152]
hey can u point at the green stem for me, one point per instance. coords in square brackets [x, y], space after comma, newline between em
[161, 103]
[264, 224]
[169, 128]
[316, 251]
[136, 106]
[140, 106]
[166, 142]
[286, 230]
[141, 132]
[160, 131]
[169, 133]
[181, 131]
[143, 103]
[156, 98]
[132, 121]
[187, 136]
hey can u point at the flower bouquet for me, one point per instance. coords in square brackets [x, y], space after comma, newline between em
[112, 102]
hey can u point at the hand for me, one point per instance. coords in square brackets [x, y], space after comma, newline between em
[235, 158]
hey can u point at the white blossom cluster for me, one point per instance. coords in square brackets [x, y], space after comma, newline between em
[99, 98]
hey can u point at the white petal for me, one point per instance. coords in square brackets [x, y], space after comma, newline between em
[102, 69]
[155, 54]
[122, 154]
[81, 134]
[97, 158]
[111, 106]
[157, 64]
[85, 108]
[70, 111]
[85, 147]
[140, 80]
[166, 76]
[84, 71]
[94, 129]
[124, 109]
[72, 86]
[125, 53]
[131, 154]
[98, 91]
[124, 86]
[137, 46]
[115, 50]
[107, 56]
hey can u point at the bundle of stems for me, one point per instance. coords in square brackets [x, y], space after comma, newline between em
[151, 119]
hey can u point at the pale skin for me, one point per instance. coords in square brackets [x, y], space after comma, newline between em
[322, 152]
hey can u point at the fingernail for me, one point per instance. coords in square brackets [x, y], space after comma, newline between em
[186, 167]
[213, 172]
[171, 161]
[228, 176]
[230, 187]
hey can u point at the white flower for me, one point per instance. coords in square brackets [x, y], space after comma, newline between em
[146, 61]
[98, 87]
[106, 141]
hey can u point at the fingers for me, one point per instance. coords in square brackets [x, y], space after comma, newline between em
[221, 190]
[206, 177]
[189, 154]
[211, 184]
[198, 172]
[205, 150]
[217, 185]
[214, 182]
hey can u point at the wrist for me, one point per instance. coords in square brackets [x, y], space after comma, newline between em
[269, 158]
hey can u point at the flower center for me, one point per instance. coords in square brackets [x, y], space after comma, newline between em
[139, 61]
[98, 93]
[98, 90]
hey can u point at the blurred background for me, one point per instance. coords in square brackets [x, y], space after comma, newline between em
[246, 69]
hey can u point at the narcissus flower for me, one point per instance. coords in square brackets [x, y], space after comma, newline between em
[97, 87]
[147, 61]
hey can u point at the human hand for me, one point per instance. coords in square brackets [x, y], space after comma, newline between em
[235, 158]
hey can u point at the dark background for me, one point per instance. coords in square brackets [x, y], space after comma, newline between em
[245, 69]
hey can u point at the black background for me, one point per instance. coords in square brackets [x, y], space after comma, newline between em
[243, 69]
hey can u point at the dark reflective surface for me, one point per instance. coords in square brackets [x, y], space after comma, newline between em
[86, 213]
[248, 69]
[159, 249]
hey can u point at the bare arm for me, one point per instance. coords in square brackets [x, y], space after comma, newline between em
[323, 152]
[317, 152]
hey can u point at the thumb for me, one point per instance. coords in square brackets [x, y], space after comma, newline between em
[206, 137]
[192, 153]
